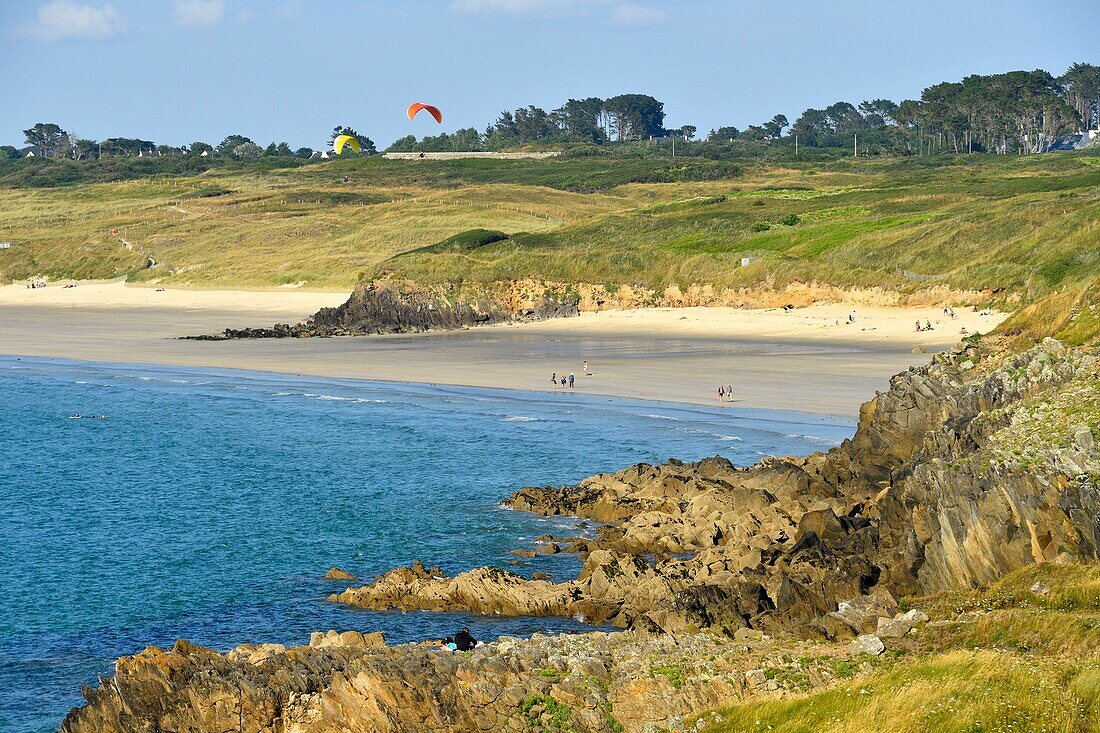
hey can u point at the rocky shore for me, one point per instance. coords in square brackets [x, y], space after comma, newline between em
[389, 306]
[929, 495]
[977, 465]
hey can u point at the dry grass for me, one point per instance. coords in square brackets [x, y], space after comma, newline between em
[1030, 662]
[956, 692]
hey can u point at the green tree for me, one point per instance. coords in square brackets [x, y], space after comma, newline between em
[1081, 90]
[248, 151]
[723, 134]
[198, 148]
[303, 152]
[45, 135]
[405, 144]
[85, 149]
[227, 146]
[579, 119]
[688, 131]
[465, 140]
[283, 150]
[635, 116]
[126, 146]
[774, 127]
[878, 112]
[7, 151]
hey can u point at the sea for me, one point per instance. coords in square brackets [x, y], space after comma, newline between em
[142, 504]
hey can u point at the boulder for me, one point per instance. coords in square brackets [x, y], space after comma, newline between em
[866, 644]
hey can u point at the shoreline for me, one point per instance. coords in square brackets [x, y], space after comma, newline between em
[809, 360]
[741, 413]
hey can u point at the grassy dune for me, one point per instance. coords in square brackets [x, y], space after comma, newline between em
[1027, 224]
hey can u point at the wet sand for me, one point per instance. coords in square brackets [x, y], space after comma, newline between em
[810, 360]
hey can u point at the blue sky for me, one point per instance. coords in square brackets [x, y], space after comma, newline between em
[176, 71]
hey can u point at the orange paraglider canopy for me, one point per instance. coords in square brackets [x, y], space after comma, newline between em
[433, 111]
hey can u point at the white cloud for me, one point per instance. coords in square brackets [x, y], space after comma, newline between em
[198, 13]
[618, 13]
[63, 19]
[631, 14]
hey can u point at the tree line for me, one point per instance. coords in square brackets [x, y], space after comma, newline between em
[52, 141]
[1017, 111]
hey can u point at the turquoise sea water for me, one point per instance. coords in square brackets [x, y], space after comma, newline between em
[208, 504]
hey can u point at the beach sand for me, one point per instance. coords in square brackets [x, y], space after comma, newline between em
[810, 359]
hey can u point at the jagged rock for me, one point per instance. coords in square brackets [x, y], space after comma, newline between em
[335, 573]
[346, 638]
[414, 687]
[861, 615]
[866, 644]
[389, 306]
[893, 628]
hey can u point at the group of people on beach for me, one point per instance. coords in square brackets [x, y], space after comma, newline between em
[567, 380]
[725, 393]
[564, 380]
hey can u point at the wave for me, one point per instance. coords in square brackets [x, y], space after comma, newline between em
[331, 398]
[663, 417]
[811, 438]
[522, 418]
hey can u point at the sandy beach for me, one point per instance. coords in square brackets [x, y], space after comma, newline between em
[810, 359]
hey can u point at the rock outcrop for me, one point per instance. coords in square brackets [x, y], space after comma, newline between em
[928, 495]
[588, 683]
[388, 306]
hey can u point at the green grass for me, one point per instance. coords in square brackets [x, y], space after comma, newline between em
[957, 692]
[1027, 224]
[1006, 226]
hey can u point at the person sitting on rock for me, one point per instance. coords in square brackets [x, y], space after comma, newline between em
[447, 644]
[464, 640]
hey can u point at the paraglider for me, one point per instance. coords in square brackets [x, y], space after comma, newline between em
[415, 107]
[345, 140]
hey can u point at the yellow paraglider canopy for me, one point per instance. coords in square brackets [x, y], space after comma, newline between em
[339, 143]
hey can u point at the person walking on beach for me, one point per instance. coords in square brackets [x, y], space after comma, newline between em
[570, 380]
[554, 381]
[729, 393]
[721, 393]
[586, 372]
